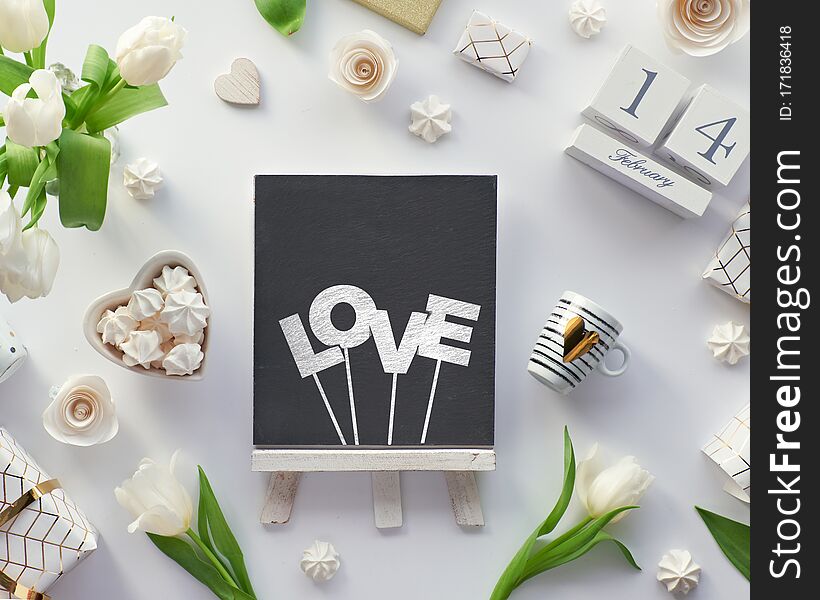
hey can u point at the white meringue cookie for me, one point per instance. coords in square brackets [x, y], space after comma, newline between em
[142, 178]
[587, 17]
[321, 561]
[197, 338]
[678, 572]
[115, 326]
[141, 348]
[145, 303]
[183, 359]
[174, 280]
[153, 323]
[430, 119]
[185, 312]
[166, 347]
[729, 342]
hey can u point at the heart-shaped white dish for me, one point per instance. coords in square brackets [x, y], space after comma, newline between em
[144, 279]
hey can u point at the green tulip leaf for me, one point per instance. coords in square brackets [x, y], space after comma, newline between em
[286, 16]
[36, 197]
[185, 556]
[83, 165]
[12, 74]
[126, 103]
[733, 538]
[572, 544]
[22, 163]
[215, 532]
[511, 577]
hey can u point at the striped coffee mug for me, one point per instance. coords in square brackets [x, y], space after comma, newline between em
[12, 351]
[575, 341]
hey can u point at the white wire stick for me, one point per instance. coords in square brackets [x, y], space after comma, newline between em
[352, 401]
[329, 410]
[430, 403]
[392, 411]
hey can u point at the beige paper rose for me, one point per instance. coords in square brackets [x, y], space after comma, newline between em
[703, 27]
[82, 412]
[363, 64]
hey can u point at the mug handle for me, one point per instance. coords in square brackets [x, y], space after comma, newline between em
[624, 365]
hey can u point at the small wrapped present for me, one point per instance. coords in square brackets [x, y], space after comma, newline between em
[731, 267]
[494, 47]
[731, 450]
[42, 532]
[415, 15]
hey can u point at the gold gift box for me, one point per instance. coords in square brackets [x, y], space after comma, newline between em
[42, 532]
[415, 15]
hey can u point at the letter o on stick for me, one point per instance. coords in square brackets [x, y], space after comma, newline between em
[323, 305]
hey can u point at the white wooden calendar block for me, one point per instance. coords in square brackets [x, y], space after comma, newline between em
[710, 140]
[638, 98]
[637, 171]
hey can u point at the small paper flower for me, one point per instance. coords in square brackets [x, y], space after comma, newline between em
[82, 412]
[703, 27]
[363, 64]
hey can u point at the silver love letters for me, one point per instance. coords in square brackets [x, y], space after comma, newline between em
[423, 334]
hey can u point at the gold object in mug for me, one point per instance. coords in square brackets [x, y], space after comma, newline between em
[577, 340]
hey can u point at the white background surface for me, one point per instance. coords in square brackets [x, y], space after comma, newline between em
[561, 226]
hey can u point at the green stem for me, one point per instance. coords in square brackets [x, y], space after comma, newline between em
[207, 551]
[29, 59]
[2, 121]
[102, 101]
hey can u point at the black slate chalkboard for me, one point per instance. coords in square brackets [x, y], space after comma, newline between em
[389, 243]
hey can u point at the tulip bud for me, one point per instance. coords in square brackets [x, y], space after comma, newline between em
[23, 24]
[149, 50]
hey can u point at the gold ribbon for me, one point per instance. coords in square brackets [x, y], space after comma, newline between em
[18, 506]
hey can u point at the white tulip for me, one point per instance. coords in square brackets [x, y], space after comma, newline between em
[602, 490]
[10, 226]
[703, 27]
[157, 501]
[29, 270]
[364, 64]
[36, 121]
[149, 50]
[82, 412]
[23, 24]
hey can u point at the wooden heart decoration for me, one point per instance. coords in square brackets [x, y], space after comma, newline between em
[577, 340]
[241, 85]
[145, 279]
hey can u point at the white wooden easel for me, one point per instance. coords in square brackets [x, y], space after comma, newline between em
[459, 467]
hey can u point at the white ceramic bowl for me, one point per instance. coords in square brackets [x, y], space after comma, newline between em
[144, 279]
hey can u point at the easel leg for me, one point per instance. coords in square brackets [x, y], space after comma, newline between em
[279, 501]
[387, 499]
[464, 498]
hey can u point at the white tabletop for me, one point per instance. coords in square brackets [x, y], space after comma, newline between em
[561, 226]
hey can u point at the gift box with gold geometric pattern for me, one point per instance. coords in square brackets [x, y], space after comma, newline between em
[43, 534]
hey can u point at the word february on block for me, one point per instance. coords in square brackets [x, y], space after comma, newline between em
[710, 140]
[638, 98]
[638, 172]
